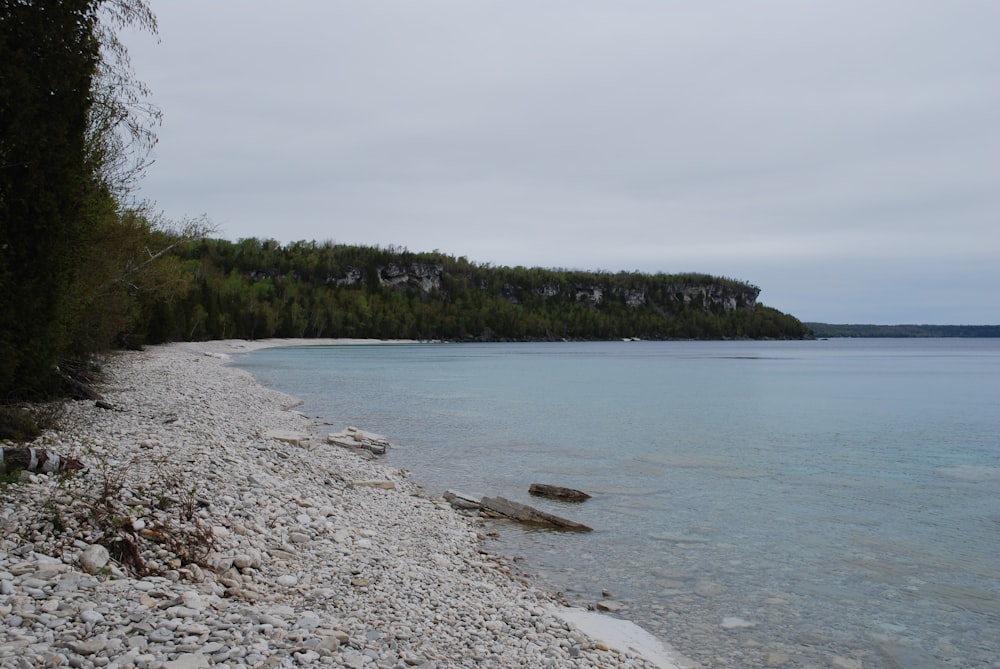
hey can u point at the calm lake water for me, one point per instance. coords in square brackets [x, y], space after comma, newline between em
[840, 498]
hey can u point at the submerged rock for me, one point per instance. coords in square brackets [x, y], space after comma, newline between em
[558, 492]
[734, 623]
[461, 500]
[523, 513]
[609, 605]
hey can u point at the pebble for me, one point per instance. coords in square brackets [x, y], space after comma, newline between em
[238, 550]
[90, 646]
[91, 616]
[94, 558]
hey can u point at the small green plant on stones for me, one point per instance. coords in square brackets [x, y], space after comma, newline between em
[9, 478]
[55, 517]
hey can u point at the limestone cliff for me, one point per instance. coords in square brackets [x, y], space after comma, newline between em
[257, 289]
[709, 294]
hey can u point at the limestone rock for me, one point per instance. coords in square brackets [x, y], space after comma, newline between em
[94, 558]
[897, 655]
[461, 500]
[557, 492]
[776, 659]
[424, 276]
[609, 605]
[188, 661]
[384, 485]
[90, 646]
[708, 589]
[735, 623]
[527, 514]
[289, 437]
[356, 439]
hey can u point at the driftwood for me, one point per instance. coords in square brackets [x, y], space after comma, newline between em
[557, 492]
[35, 460]
[503, 507]
[78, 390]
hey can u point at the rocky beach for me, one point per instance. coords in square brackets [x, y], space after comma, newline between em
[212, 526]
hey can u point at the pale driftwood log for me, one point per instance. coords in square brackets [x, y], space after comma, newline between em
[35, 460]
[557, 492]
[501, 506]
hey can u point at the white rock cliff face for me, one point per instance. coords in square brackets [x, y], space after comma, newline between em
[423, 276]
[239, 541]
[427, 277]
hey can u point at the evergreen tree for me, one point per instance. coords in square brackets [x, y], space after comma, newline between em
[74, 135]
[48, 57]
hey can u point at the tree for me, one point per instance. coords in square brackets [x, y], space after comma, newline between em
[48, 57]
[122, 122]
[71, 138]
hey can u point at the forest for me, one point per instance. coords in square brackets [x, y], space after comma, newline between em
[259, 288]
[75, 136]
[85, 268]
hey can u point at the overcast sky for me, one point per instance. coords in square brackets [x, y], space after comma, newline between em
[842, 155]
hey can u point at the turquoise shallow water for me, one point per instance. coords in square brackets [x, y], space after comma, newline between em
[842, 497]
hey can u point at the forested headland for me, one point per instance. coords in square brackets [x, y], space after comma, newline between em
[260, 288]
[85, 268]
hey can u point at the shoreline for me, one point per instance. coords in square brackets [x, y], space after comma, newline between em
[313, 556]
[615, 633]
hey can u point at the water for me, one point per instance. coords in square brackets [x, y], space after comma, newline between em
[841, 496]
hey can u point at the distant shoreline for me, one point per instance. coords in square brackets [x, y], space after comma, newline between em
[902, 331]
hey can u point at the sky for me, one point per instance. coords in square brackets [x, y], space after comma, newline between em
[842, 155]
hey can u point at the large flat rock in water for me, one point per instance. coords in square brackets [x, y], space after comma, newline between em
[529, 514]
[558, 492]
[625, 636]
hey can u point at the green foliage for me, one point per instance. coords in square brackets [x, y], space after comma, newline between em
[9, 478]
[74, 135]
[48, 57]
[17, 425]
[258, 288]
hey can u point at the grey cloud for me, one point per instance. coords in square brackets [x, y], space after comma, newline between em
[753, 140]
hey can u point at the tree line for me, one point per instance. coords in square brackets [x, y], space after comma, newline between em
[902, 331]
[77, 255]
[259, 288]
